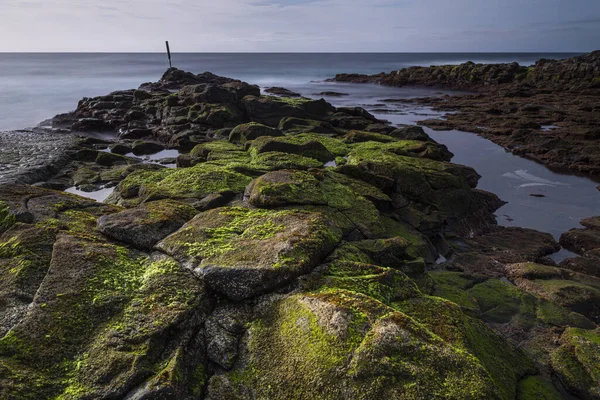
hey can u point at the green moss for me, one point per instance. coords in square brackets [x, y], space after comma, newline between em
[292, 101]
[243, 225]
[505, 364]
[367, 351]
[500, 301]
[195, 182]
[221, 146]
[6, 218]
[454, 286]
[276, 160]
[553, 314]
[578, 361]
[537, 388]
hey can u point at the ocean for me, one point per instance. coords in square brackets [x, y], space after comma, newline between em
[37, 86]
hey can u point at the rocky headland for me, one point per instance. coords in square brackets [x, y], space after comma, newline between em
[292, 250]
[548, 112]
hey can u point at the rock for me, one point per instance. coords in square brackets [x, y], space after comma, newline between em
[270, 110]
[242, 253]
[331, 94]
[109, 159]
[282, 92]
[582, 240]
[250, 131]
[411, 133]
[313, 146]
[144, 226]
[576, 361]
[299, 125]
[120, 148]
[318, 331]
[187, 184]
[141, 148]
[136, 133]
[361, 136]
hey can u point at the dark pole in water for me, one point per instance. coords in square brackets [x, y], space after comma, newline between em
[169, 54]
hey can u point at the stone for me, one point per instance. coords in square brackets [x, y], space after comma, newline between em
[144, 226]
[250, 131]
[242, 253]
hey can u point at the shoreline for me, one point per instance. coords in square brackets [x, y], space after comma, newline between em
[513, 103]
[290, 235]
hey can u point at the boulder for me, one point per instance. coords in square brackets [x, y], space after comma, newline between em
[242, 253]
[250, 131]
[144, 226]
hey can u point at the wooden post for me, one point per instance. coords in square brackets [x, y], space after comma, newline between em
[169, 54]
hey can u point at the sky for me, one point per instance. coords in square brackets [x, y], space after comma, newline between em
[300, 25]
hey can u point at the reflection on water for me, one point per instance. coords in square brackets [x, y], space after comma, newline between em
[98, 195]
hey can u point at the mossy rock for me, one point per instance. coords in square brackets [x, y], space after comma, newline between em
[277, 160]
[241, 252]
[270, 110]
[577, 292]
[303, 144]
[144, 226]
[454, 286]
[196, 182]
[250, 131]
[167, 299]
[577, 361]
[537, 388]
[442, 186]
[203, 151]
[312, 149]
[25, 253]
[505, 364]
[89, 283]
[362, 136]
[109, 159]
[500, 302]
[292, 125]
[340, 344]
[317, 188]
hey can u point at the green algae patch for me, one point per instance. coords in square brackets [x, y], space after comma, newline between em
[7, 219]
[454, 286]
[277, 160]
[317, 188]
[320, 147]
[500, 301]
[165, 295]
[505, 364]
[340, 344]
[553, 314]
[89, 282]
[537, 388]
[577, 361]
[243, 252]
[195, 182]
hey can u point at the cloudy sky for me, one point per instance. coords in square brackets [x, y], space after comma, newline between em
[300, 25]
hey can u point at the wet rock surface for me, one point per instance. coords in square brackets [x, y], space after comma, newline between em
[548, 112]
[297, 250]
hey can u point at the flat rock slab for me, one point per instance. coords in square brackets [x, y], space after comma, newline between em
[146, 225]
[242, 253]
[29, 157]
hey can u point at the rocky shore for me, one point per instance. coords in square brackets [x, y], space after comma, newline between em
[289, 249]
[549, 112]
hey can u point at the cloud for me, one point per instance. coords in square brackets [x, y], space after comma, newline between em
[300, 25]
